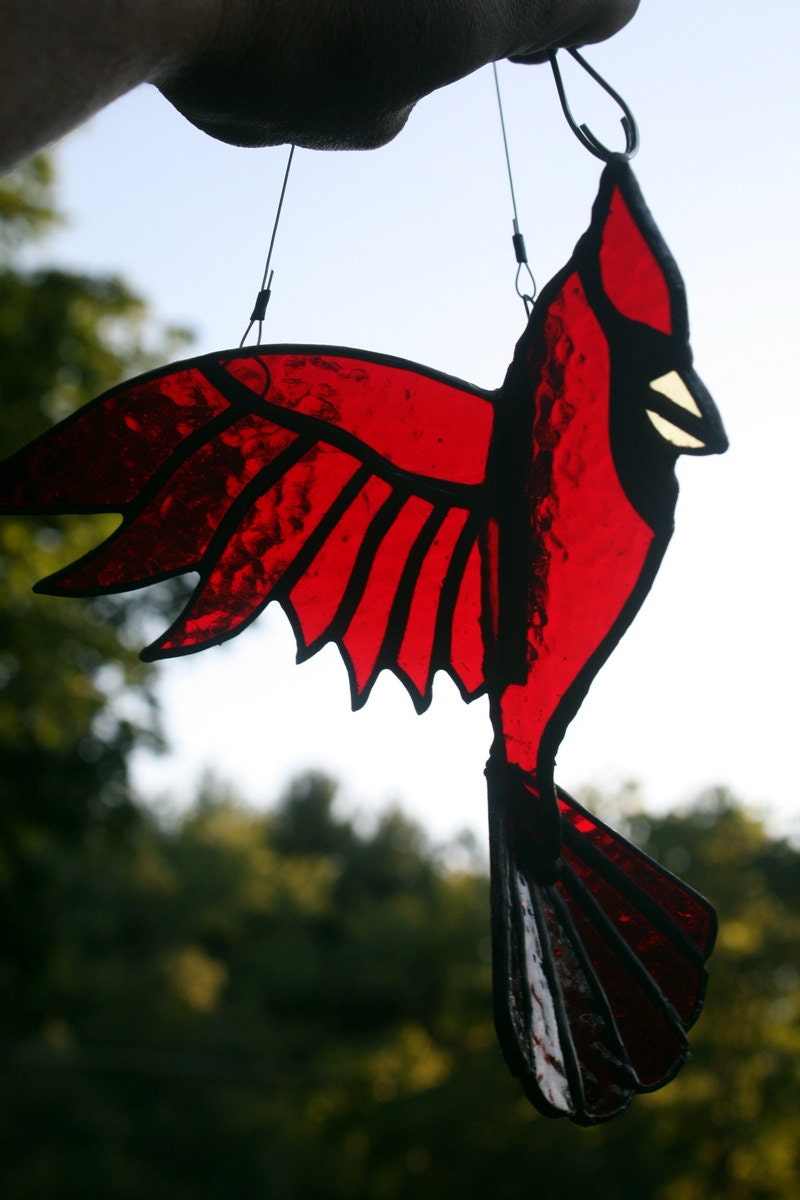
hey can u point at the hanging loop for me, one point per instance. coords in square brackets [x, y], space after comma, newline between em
[518, 241]
[523, 268]
[528, 297]
[582, 132]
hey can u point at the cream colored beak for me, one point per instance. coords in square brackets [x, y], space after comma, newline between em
[672, 386]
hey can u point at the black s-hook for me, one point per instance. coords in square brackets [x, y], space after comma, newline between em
[582, 132]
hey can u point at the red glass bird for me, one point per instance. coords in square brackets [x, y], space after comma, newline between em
[507, 538]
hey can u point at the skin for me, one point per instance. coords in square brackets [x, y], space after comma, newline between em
[326, 74]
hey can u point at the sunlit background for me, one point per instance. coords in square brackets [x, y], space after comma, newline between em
[407, 250]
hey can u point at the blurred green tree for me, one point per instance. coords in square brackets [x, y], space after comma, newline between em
[74, 698]
[298, 1005]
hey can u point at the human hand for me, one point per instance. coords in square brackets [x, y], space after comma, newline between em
[333, 74]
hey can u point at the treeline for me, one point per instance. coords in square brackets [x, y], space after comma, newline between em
[290, 1004]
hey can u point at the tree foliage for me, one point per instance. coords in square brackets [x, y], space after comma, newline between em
[74, 697]
[289, 1004]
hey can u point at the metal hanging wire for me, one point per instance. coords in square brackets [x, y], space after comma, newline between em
[265, 291]
[518, 241]
[582, 132]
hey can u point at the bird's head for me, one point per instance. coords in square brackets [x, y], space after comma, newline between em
[660, 407]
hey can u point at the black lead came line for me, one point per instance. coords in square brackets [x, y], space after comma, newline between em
[635, 895]
[629, 959]
[471, 496]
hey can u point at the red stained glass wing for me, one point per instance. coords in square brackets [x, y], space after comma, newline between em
[100, 459]
[351, 489]
[447, 635]
[170, 532]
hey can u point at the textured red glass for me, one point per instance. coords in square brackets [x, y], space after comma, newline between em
[421, 524]
[632, 277]
[678, 978]
[418, 422]
[682, 904]
[604, 1074]
[585, 567]
[173, 532]
[368, 627]
[261, 549]
[654, 1043]
[466, 632]
[416, 657]
[316, 598]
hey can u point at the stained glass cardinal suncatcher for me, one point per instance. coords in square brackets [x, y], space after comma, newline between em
[507, 538]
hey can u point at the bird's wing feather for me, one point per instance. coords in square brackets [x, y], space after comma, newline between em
[349, 487]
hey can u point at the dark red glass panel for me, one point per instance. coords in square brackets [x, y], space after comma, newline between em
[172, 533]
[685, 907]
[605, 1081]
[654, 1043]
[108, 451]
[681, 981]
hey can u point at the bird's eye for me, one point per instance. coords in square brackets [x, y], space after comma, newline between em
[672, 387]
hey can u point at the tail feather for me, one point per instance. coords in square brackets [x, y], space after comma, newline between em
[598, 967]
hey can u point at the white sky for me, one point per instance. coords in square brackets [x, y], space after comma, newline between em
[407, 250]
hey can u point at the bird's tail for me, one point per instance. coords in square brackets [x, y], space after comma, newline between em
[598, 959]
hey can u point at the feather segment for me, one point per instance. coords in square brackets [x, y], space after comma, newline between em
[599, 965]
